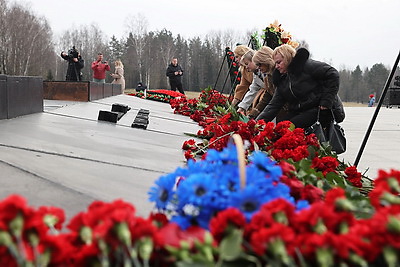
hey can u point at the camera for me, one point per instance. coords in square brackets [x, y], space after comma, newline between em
[73, 53]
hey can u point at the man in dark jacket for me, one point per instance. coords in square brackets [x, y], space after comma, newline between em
[174, 73]
[75, 64]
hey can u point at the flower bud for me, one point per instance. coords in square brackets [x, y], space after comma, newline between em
[208, 238]
[393, 225]
[123, 233]
[50, 220]
[390, 255]
[343, 228]
[390, 198]
[278, 249]
[324, 257]
[33, 239]
[343, 204]
[146, 248]
[320, 227]
[394, 184]
[5, 239]
[86, 235]
[280, 217]
[17, 225]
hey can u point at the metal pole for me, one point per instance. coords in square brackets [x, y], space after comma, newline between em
[226, 77]
[377, 110]
[219, 72]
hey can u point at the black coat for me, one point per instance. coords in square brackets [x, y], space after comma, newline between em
[74, 68]
[171, 72]
[308, 84]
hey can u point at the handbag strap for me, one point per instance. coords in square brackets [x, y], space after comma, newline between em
[318, 114]
[333, 116]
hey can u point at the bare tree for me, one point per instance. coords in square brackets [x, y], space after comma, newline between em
[3, 36]
[25, 41]
[88, 40]
[137, 27]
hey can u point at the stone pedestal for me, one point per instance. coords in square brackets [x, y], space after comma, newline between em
[20, 95]
[79, 91]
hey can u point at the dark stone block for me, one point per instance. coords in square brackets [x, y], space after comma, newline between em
[20, 95]
[63, 90]
[139, 125]
[109, 116]
[108, 91]
[141, 120]
[116, 89]
[144, 111]
[120, 108]
[394, 96]
[3, 97]
[95, 91]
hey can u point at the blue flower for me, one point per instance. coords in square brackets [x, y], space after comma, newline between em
[267, 165]
[302, 204]
[194, 190]
[184, 222]
[248, 201]
[162, 193]
[228, 154]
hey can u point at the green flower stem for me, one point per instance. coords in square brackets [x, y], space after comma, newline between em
[222, 136]
[324, 257]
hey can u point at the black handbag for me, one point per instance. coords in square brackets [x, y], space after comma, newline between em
[317, 129]
[336, 137]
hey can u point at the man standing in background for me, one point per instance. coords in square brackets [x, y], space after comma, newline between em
[174, 73]
[99, 69]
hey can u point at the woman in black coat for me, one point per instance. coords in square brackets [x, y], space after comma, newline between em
[308, 87]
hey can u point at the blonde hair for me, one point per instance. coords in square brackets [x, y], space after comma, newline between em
[248, 55]
[286, 51]
[240, 50]
[118, 63]
[264, 57]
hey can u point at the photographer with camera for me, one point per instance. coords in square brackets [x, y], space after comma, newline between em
[99, 69]
[75, 64]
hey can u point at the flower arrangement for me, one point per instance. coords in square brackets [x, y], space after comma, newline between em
[204, 109]
[213, 185]
[275, 35]
[159, 95]
[214, 216]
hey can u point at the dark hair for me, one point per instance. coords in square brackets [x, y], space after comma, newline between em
[99, 54]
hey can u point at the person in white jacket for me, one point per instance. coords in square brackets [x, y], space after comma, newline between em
[255, 86]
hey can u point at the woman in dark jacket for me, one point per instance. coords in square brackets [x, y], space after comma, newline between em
[306, 86]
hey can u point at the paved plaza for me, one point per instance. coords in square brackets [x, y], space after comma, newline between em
[65, 157]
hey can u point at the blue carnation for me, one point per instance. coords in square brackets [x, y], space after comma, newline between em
[248, 201]
[302, 204]
[194, 189]
[162, 193]
[264, 163]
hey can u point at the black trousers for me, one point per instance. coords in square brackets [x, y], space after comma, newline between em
[176, 85]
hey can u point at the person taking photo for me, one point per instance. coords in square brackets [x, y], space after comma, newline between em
[99, 69]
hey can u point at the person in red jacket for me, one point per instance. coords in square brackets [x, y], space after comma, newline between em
[99, 69]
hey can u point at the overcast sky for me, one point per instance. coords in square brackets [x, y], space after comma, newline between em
[344, 33]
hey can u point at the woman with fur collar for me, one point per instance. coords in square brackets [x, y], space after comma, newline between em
[308, 87]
